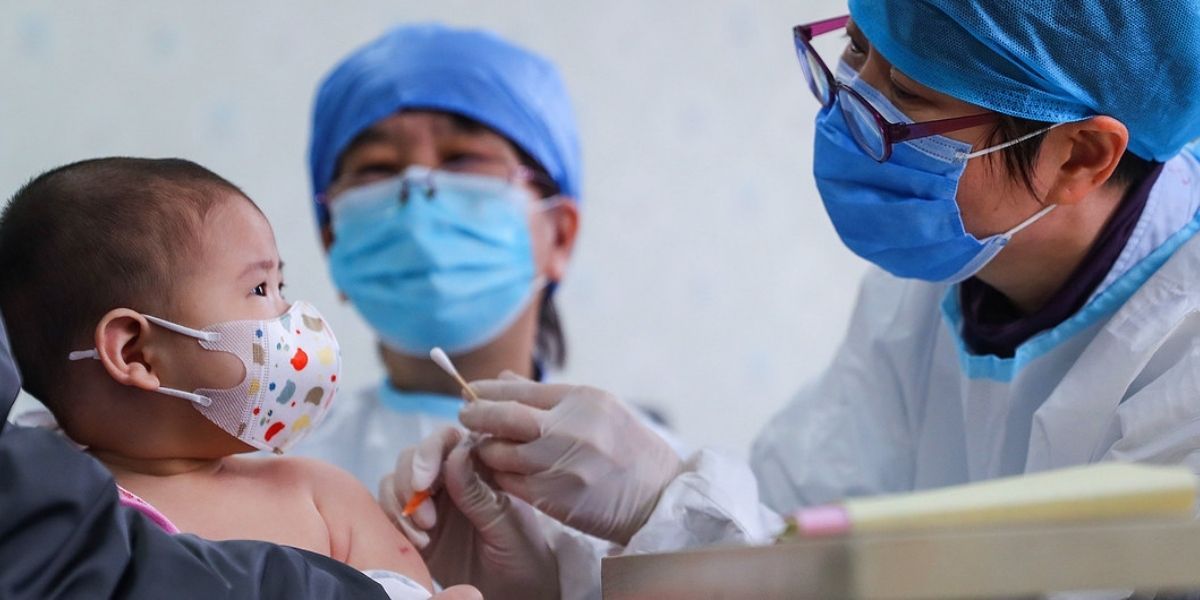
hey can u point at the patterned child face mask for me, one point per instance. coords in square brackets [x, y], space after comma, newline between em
[292, 367]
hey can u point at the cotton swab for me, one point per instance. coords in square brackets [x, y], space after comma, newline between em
[439, 357]
[443, 361]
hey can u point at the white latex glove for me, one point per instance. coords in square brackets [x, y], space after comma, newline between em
[472, 533]
[576, 453]
[418, 468]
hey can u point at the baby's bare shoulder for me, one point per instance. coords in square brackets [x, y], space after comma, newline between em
[360, 533]
[297, 471]
[304, 467]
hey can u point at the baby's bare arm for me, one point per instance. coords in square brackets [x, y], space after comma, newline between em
[360, 533]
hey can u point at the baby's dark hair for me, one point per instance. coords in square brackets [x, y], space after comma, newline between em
[91, 236]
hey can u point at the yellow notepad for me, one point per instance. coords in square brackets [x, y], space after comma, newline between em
[1089, 493]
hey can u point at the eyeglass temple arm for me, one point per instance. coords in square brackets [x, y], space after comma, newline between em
[903, 132]
[812, 30]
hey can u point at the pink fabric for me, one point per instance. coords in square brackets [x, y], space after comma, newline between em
[132, 500]
[823, 521]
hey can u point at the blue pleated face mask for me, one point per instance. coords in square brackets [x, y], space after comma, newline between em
[902, 214]
[432, 258]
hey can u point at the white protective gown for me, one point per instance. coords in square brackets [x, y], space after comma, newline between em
[905, 406]
[364, 433]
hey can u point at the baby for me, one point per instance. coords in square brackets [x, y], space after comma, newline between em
[144, 299]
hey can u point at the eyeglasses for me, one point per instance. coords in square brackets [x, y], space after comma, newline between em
[872, 132]
[487, 174]
[498, 171]
[503, 170]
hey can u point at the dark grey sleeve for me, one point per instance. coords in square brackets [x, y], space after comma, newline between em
[63, 534]
[10, 381]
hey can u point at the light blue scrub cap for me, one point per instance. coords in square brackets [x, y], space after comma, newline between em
[473, 73]
[1137, 61]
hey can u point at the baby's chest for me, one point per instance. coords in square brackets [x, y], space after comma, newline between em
[245, 513]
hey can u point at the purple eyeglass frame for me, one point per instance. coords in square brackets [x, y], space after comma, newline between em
[891, 133]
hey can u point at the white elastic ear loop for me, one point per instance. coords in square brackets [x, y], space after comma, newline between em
[207, 336]
[997, 148]
[1030, 221]
[197, 398]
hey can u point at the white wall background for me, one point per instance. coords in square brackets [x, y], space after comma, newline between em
[708, 281]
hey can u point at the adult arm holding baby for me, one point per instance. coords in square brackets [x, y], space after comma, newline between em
[67, 535]
[145, 307]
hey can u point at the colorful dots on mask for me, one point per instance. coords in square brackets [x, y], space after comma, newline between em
[289, 390]
[273, 430]
[299, 359]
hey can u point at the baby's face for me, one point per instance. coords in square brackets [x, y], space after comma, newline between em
[237, 275]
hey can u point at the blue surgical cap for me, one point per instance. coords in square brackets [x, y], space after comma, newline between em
[472, 73]
[1137, 61]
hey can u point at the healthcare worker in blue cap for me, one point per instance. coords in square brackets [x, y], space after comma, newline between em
[1021, 175]
[445, 168]
[446, 171]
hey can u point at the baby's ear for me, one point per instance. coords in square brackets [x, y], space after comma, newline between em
[121, 347]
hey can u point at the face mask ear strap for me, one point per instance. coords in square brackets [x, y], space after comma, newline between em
[969, 155]
[1030, 221]
[189, 396]
[207, 336]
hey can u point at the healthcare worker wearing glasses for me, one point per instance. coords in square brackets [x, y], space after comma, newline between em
[445, 167]
[1021, 175]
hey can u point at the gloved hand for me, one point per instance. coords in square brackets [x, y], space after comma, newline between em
[467, 531]
[418, 469]
[576, 453]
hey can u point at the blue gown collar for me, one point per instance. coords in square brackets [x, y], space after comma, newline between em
[426, 403]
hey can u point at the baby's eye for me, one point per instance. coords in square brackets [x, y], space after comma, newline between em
[261, 289]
